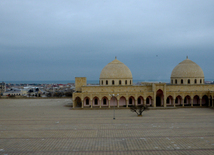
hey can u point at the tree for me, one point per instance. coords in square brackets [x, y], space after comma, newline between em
[11, 96]
[58, 94]
[69, 94]
[48, 94]
[138, 109]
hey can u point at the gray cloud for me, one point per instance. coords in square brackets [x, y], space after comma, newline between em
[58, 40]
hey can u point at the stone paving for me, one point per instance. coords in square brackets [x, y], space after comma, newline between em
[46, 126]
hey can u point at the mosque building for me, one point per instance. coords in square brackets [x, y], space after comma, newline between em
[187, 88]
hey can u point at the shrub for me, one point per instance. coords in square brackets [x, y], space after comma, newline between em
[138, 109]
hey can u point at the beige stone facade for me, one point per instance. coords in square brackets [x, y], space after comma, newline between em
[187, 88]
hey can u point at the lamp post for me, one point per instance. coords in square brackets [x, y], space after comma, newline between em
[113, 95]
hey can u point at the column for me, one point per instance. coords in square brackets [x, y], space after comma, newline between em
[213, 103]
[152, 103]
[82, 103]
[108, 103]
[164, 102]
[144, 103]
[127, 103]
[73, 103]
[91, 103]
[135, 103]
[173, 102]
[154, 99]
[182, 102]
[118, 103]
[100, 103]
[191, 102]
[209, 101]
[164, 96]
[200, 102]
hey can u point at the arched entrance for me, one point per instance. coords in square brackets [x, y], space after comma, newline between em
[105, 101]
[159, 98]
[140, 100]
[149, 101]
[113, 102]
[122, 101]
[205, 100]
[131, 100]
[96, 101]
[178, 100]
[86, 101]
[196, 100]
[169, 101]
[187, 100]
[78, 102]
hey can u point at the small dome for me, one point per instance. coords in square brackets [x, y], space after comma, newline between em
[187, 69]
[116, 70]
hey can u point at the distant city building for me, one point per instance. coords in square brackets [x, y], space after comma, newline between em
[187, 88]
[13, 92]
[2, 88]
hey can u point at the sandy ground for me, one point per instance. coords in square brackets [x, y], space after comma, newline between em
[46, 126]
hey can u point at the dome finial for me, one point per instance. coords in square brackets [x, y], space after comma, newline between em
[187, 56]
[115, 57]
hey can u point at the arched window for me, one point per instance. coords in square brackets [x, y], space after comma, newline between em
[139, 101]
[188, 81]
[102, 82]
[126, 82]
[130, 81]
[87, 101]
[200, 81]
[195, 81]
[112, 82]
[130, 100]
[172, 81]
[182, 81]
[95, 101]
[175, 81]
[147, 100]
[176, 100]
[104, 101]
[167, 100]
[106, 82]
[119, 82]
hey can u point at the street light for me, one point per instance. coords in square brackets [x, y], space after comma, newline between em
[113, 95]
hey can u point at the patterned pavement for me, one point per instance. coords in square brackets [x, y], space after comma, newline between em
[46, 126]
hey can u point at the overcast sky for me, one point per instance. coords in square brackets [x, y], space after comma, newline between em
[64, 39]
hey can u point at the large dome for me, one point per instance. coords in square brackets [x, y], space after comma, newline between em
[187, 69]
[116, 70]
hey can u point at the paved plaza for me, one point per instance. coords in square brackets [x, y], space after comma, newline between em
[46, 126]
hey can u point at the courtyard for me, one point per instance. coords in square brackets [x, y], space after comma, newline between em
[46, 126]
